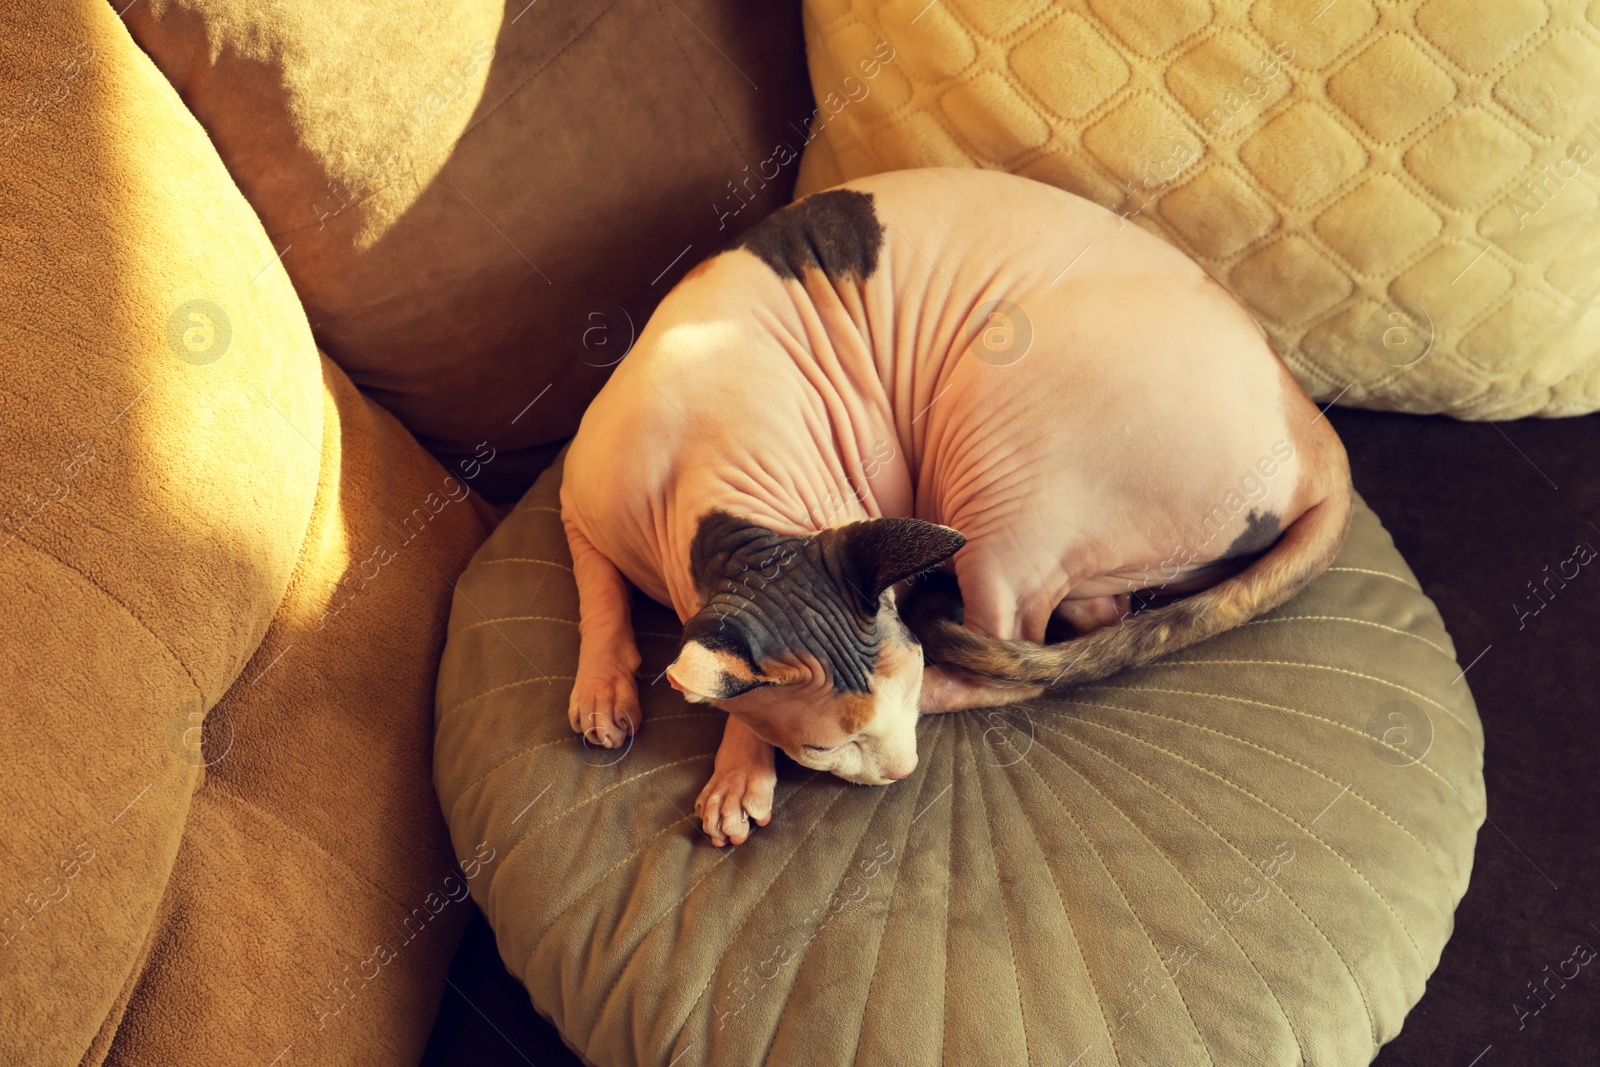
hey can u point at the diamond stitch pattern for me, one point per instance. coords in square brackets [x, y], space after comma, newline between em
[1322, 160]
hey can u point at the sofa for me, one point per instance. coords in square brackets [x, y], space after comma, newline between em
[297, 302]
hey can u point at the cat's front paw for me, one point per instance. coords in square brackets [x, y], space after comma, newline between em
[738, 794]
[605, 708]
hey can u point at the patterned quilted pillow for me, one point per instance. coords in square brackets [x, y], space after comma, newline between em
[1405, 194]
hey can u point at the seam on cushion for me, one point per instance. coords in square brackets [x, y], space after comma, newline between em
[328, 401]
[527, 750]
[755, 907]
[1016, 978]
[506, 685]
[974, 158]
[515, 618]
[1275, 707]
[1372, 1024]
[971, 73]
[525, 559]
[1193, 889]
[1023, 88]
[613, 787]
[222, 790]
[1228, 781]
[721, 121]
[1379, 574]
[845, 873]
[1318, 655]
[163, 645]
[332, 424]
[1073, 930]
[1167, 101]
[1362, 622]
[526, 509]
[1087, 840]
[601, 1010]
[132, 984]
[458, 594]
[877, 954]
[1314, 666]
[1272, 752]
[558, 916]
[1492, 75]
[1416, 187]
[537, 944]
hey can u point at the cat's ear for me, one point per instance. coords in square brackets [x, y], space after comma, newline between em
[877, 553]
[715, 662]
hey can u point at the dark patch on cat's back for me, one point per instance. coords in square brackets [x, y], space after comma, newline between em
[836, 232]
[1260, 533]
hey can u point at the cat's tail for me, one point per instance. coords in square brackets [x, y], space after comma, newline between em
[1304, 551]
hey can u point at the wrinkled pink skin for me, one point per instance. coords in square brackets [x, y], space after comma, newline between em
[1075, 471]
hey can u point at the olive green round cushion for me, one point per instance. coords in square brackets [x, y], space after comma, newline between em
[1248, 853]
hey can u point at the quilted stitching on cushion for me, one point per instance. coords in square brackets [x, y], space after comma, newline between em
[1408, 203]
[1249, 853]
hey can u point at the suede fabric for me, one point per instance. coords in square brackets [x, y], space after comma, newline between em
[479, 211]
[316, 795]
[141, 569]
[1469, 506]
[1407, 195]
[218, 688]
[1248, 852]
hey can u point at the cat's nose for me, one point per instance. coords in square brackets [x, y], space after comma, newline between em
[898, 773]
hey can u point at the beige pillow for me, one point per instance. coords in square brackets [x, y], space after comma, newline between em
[1407, 195]
[480, 206]
[1248, 853]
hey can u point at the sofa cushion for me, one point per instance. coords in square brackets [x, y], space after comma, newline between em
[1249, 852]
[185, 481]
[155, 498]
[314, 900]
[480, 208]
[1405, 194]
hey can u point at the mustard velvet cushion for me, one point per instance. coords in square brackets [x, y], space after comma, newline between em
[217, 717]
[1247, 853]
[475, 205]
[1407, 195]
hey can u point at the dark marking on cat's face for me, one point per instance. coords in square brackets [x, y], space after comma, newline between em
[798, 636]
[1260, 533]
[836, 232]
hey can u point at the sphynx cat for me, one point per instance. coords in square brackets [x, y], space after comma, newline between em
[916, 375]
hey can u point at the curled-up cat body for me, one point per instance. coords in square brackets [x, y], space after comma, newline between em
[958, 376]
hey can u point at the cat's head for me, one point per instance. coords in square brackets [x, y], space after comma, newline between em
[799, 638]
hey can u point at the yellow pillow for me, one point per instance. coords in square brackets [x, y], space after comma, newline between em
[154, 496]
[1406, 195]
[217, 688]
